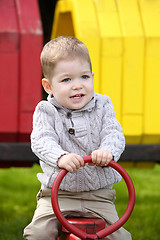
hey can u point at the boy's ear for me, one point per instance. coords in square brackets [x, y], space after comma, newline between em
[46, 86]
[93, 74]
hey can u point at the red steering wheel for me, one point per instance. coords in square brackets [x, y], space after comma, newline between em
[106, 231]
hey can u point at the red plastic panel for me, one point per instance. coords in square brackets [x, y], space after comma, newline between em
[9, 64]
[31, 41]
[88, 225]
[21, 41]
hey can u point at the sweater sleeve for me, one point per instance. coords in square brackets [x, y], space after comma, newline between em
[112, 137]
[44, 140]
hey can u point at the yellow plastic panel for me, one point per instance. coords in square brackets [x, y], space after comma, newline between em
[78, 18]
[111, 52]
[63, 20]
[150, 11]
[132, 69]
[133, 124]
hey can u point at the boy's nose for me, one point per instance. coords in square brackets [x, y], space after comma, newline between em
[76, 84]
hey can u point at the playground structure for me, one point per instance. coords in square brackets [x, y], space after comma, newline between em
[123, 38]
[21, 40]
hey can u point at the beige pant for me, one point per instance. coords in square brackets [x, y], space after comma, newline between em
[99, 203]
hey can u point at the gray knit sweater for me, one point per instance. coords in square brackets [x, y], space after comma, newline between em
[58, 131]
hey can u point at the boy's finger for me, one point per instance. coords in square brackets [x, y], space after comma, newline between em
[80, 160]
[94, 157]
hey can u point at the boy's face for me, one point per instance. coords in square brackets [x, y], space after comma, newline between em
[72, 83]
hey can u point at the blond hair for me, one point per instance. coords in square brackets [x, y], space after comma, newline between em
[62, 48]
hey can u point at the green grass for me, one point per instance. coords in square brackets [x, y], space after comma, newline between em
[18, 190]
[144, 221]
[19, 187]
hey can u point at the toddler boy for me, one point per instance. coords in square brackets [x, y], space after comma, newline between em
[74, 122]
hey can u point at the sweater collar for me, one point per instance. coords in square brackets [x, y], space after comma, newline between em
[88, 107]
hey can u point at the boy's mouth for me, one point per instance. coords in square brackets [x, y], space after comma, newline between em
[77, 96]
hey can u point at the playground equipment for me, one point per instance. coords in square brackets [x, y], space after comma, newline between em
[123, 38]
[21, 41]
[75, 225]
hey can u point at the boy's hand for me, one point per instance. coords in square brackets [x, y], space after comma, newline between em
[101, 157]
[70, 162]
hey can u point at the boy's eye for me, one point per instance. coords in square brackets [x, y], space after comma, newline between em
[85, 76]
[66, 80]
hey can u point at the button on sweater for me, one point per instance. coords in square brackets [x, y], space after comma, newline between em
[93, 127]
